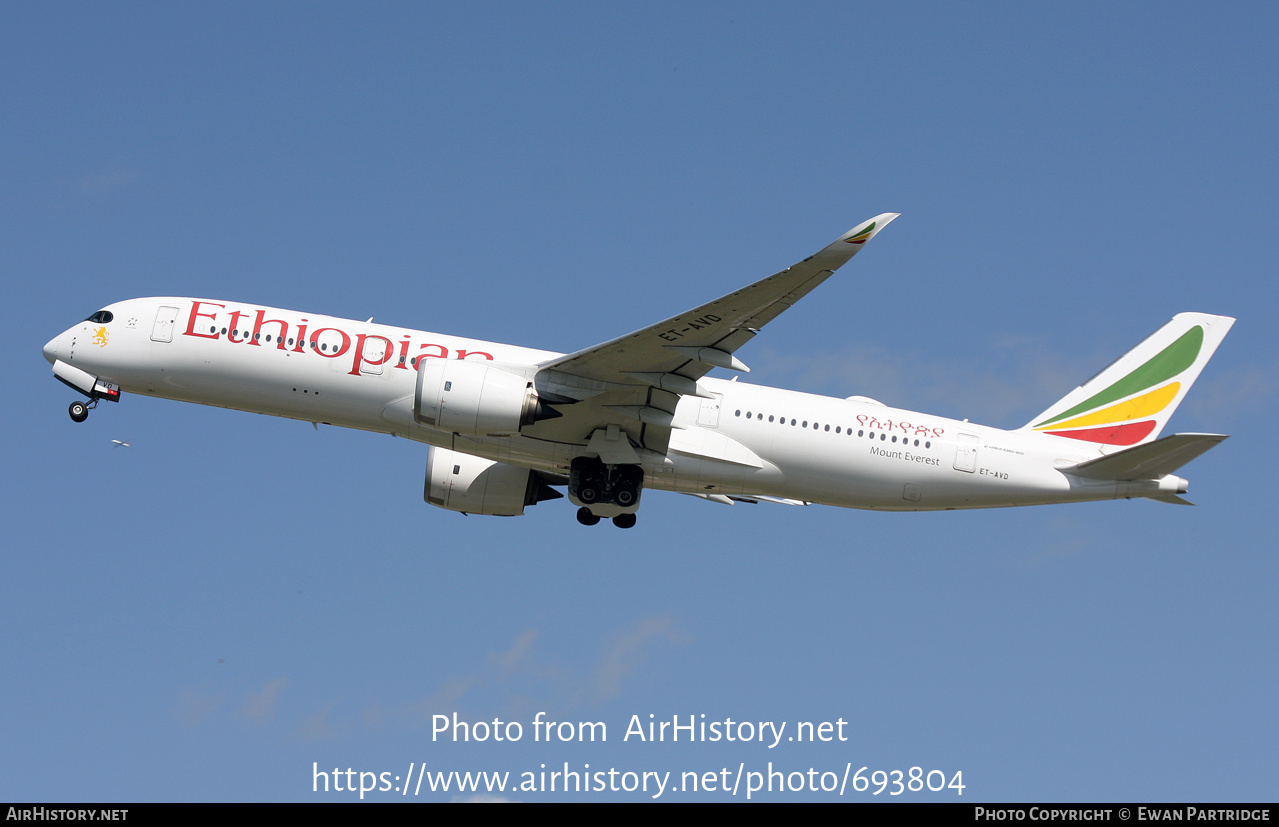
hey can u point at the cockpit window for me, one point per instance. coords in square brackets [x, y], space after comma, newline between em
[101, 317]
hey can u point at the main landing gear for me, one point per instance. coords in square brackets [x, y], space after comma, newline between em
[605, 491]
[586, 517]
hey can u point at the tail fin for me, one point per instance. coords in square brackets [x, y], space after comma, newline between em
[1131, 400]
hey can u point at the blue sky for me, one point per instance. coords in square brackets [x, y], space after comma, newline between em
[205, 614]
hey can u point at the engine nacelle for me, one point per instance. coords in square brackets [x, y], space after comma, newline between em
[473, 398]
[462, 482]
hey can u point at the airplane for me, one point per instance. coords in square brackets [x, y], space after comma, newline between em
[508, 425]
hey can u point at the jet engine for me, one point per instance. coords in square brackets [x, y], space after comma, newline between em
[461, 482]
[475, 398]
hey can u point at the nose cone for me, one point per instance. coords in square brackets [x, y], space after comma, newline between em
[54, 350]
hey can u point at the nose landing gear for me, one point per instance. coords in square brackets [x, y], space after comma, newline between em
[91, 386]
[79, 409]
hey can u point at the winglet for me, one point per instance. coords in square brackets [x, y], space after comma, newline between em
[837, 253]
[867, 229]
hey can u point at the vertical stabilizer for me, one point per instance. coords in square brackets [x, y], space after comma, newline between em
[1131, 400]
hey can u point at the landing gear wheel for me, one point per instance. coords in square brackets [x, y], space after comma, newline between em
[585, 517]
[79, 411]
[624, 521]
[588, 494]
[625, 497]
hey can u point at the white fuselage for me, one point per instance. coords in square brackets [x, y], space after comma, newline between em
[746, 440]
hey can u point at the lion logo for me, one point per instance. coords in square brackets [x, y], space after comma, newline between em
[100, 338]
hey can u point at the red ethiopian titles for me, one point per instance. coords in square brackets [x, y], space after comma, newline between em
[234, 329]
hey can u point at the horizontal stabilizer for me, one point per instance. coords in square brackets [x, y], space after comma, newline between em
[1150, 461]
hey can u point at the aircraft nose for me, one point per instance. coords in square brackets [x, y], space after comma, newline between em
[54, 349]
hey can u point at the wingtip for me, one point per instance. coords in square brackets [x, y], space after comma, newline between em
[867, 230]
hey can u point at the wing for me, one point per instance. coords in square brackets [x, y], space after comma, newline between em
[635, 381]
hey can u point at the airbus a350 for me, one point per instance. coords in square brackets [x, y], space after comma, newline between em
[510, 425]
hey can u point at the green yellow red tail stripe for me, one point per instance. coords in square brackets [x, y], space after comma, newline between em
[1126, 411]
